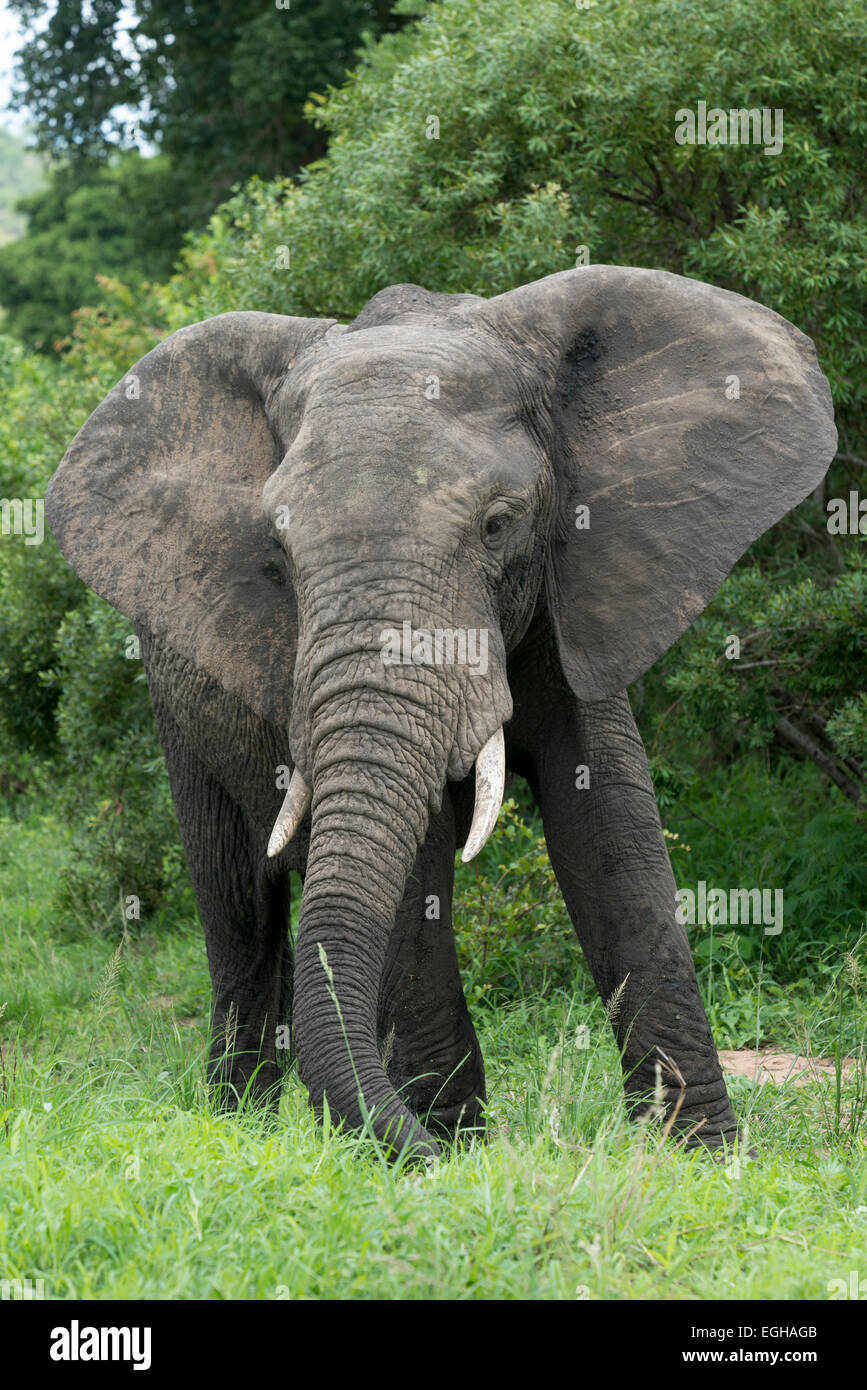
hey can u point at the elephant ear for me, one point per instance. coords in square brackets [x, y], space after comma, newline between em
[158, 502]
[686, 420]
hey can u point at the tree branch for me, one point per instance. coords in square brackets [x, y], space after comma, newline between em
[796, 738]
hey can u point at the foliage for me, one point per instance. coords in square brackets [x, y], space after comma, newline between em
[560, 133]
[124, 217]
[42, 408]
[74, 712]
[21, 173]
[754, 825]
[219, 89]
[847, 729]
[757, 827]
[511, 928]
[782, 663]
[44, 405]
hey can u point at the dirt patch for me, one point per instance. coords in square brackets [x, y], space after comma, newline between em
[777, 1067]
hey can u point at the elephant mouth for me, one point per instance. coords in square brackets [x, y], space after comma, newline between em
[490, 785]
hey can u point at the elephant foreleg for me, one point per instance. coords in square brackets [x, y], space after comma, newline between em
[244, 906]
[608, 852]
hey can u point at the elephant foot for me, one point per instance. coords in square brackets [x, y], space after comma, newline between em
[696, 1131]
[446, 1093]
[233, 1087]
[723, 1138]
[699, 1116]
[688, 1094]
[721, 1143]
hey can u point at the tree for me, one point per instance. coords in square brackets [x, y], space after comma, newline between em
[118, 221]
[218, 85]
[477, 150]
[21, 173]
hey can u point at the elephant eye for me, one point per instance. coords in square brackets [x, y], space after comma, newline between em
[274, 567]
[495, 525]
[274, 573]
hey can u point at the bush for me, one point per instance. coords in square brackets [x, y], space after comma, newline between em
[512, 930]
[41, 410]
[557, 134]
[778, 663]
[45, 403]
[126, 218]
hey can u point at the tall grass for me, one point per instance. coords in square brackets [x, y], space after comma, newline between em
[120, 1180]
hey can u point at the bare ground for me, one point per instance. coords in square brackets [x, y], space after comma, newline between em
[776, 1067]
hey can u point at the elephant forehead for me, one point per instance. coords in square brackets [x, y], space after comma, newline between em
[377, 414]
[390, 367]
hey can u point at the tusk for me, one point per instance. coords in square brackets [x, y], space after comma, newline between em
[490, 784]
[296, 804]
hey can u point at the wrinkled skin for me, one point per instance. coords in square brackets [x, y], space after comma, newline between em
[272, 495]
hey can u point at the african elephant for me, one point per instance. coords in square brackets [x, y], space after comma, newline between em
[447, 534]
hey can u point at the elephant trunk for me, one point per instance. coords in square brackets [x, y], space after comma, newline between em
[376, 775]
[374, 739]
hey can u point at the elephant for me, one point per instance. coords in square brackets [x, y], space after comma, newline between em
[376, 566]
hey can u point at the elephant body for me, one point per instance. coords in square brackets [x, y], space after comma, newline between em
[560, 474]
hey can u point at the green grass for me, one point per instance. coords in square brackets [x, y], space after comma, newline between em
[119, 1181]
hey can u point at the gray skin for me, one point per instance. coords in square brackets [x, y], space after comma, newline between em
[264, 496]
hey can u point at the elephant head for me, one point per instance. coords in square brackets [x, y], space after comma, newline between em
[318, 516]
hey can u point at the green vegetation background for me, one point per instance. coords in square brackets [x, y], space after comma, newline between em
[21, 173]
[555, 133]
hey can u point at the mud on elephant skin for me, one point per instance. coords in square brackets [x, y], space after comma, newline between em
[446, 535]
